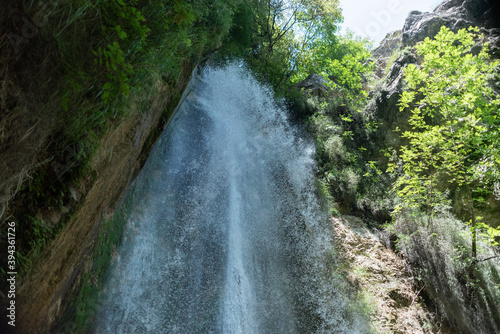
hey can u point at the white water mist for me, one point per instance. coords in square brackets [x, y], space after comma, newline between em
[226, 235]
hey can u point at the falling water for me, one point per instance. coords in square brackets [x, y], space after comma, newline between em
[226, 234]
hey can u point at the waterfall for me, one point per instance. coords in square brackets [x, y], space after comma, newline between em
[226, 234]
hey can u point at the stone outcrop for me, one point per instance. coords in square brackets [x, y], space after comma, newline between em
[313, 85]
[480, 12]
[454, 14]
[389, 45]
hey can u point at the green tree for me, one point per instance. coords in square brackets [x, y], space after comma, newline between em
[456, 125]
[343, 59]
[284, 30]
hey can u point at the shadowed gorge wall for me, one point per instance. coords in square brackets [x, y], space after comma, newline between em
[45, 291]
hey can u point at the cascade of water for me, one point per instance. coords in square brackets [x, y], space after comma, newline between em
[226, 235]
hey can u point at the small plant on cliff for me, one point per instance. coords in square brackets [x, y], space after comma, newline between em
[456, 122]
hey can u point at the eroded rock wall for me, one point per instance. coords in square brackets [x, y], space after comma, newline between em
[44, 292]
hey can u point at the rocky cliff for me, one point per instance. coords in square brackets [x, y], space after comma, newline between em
[45, 291]
[445, 285]
[454, 14]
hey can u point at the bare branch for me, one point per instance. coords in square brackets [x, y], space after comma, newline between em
[488, 258]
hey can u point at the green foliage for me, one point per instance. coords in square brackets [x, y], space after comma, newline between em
[275, 36]
[345, 60]
[98, 62]
[285, 41]
[240, 36]
[134, 43]
[123, 24]
[40, 232]
[455, 120]
[183, 13]
[117, 69]
[440, 256]
[344, 145]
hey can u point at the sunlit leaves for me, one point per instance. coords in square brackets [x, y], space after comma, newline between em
[455, 121]
[283, 33]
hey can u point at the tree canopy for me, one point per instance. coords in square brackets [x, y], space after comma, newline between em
[286, 40]
[455, 121]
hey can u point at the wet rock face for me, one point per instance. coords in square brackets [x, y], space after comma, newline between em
[379, 273]
[385, 100]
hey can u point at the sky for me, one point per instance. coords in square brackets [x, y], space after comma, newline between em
[375, 18]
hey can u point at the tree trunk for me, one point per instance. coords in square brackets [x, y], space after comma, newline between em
[473, 225]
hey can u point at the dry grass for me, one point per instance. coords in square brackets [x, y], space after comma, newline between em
[26, 121]
[34, 76]
[439, 252]
[383, 281]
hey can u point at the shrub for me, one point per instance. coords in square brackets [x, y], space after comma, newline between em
[440, 256]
